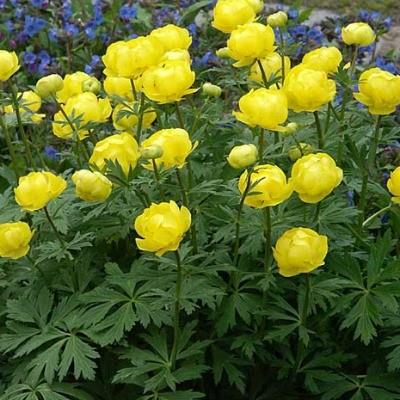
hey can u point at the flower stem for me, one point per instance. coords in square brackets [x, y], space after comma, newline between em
[264, 76]
[140, 120]
[282, 54]
[10, 146]
[261, 144]
[268, 238]
[321, 141]
[60, 239]
[373, 216]
[179, 115]
[158, 179]
[133, 90]
[306, 303]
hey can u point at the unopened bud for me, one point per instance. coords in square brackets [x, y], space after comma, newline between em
[91, 85]
[291, 128]
[211, 90]
[300, 150]
[152, 152]
[277, 20]
[224, 52]
[49, 85]
[243, 156]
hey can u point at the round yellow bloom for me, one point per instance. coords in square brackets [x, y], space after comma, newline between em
[9, 64]
[250, 42]
[124, 118]
[379, 90]
[211, 90]
[358, 33]
[121, 148]
[91, 186]
[176, 147]
[223, 52]
[272, 65]
[28, 101]
[36, 189]
[300, 250]
[393, 184]
[162, 227]
[325, 59]
[120, 87]
[307, 89]
[277, 20]
[266, 108]
[172, 37]
[49, 85]
[271, 189]
[314, 177]
[177, 55]
[297, 151]
[229, 14]
[14, 239]
[168, 82]
[129, 59]
[243, 156]
[87, 108]
[72, 86]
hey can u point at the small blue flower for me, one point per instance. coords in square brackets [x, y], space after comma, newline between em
[127, 12]
[293, 13]
[53, 34]
[29, 58]
[9, 26]
[70, 29]
[350, 197]
[37, 3]
[33, 25]
[94, 62]
[192, 28]
[387, 23]
[66, 10]
[52, 153]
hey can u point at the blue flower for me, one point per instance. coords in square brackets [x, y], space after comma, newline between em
[52, 153]
[9, 26]
[53, 34]
[94, 62]
[127, 12]
[29, 58]
[315, 35]
[70, 29]
[37, 3]
[90, 29]
[293, 13]
[386, 65]
[33, 25]
[192, 28]
[66, 10]
[387, 23]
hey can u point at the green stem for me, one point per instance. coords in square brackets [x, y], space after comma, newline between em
[373, 216]
[317, 215]
[140, 120]
[328, 119]
[10, 145]
[261, 145]
[306, 303]
[264, 76]
[321, 141]
[60, 239]
[179, 115]
[353, 62]
[282, 53]
[268, 238]
[158, 179]
[36, 266]
[135, 97]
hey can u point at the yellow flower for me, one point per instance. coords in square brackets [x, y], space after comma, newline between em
[379, 90]
[393, 184]
[72, 86]
[243, 156]
[277, 20]
[162, 227]
[9, 64]
[91, 186]
[250, 42]
[121, 148]
[314, 177]
[91, 85]
[300, 250]
[358, 33]
[14, 239]
[176, 146]
[131, 58]
[177, 55]
[120, 87]
[36, 189]
[168, 82]
[272, 65]
[85, 107]
[125, 119]
[172, 37]
[307, 89]
[257, 5]
[229, 14]
[266, 108]
[29, 102]
[325, 59]
[49, 85]
[269, 186]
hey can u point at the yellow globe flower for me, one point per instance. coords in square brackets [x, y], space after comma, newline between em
[307, 89]
[269, 186]
[121, 148]
[168, 82]
[229, 14]
[125, 119]
[272, 65]
[29, 102]
[177, 55]
[172, 37]
[14, 239]
[393, 184]
[91, 186]
[36, 189]
[325, 59]
[243, 156]
[120, 87]
[85, 107]
[9, 65]
[176, 147]
[250, 42]
[131, 58]
[162, 227]
[257, 5]
[91, 85]
[299, 251]
[277, 20]
[358, 33]
[72, 86]
[379, 90]
[266, 108]
[314, 177]
[49, 85]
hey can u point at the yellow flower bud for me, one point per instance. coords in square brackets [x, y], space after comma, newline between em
[307, 89]
[9, 64]
[314, 177]
[379, 90]
[272, 65]
[162, 227]
[120, 87]
[223, 53]
[172, 37]
[91, 85]
[393, 184]
[126, 119]
[72, 86]
[266, 108]
[211, 90]
[300, 150]
[91, 186]
[14, 239]
[243, 156]
[49, 85]
[250, 42]
[277, 20]
[358, 33]
[176, 146]
[325, 59]
[168, 82]
[121, 148]
[152, 152]
[36, 189]
[299, 251]
[269, 186]
[177, 55]
[229, 14]
[291, 128]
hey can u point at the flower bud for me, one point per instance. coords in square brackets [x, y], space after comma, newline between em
[49, 85]
[152, 152]
[277, 20]
[91, 85]
[300, 150]
[211, 90]
[223, 52]
[91, 186]
[243, 156]
[359, 34]
[291, 128]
